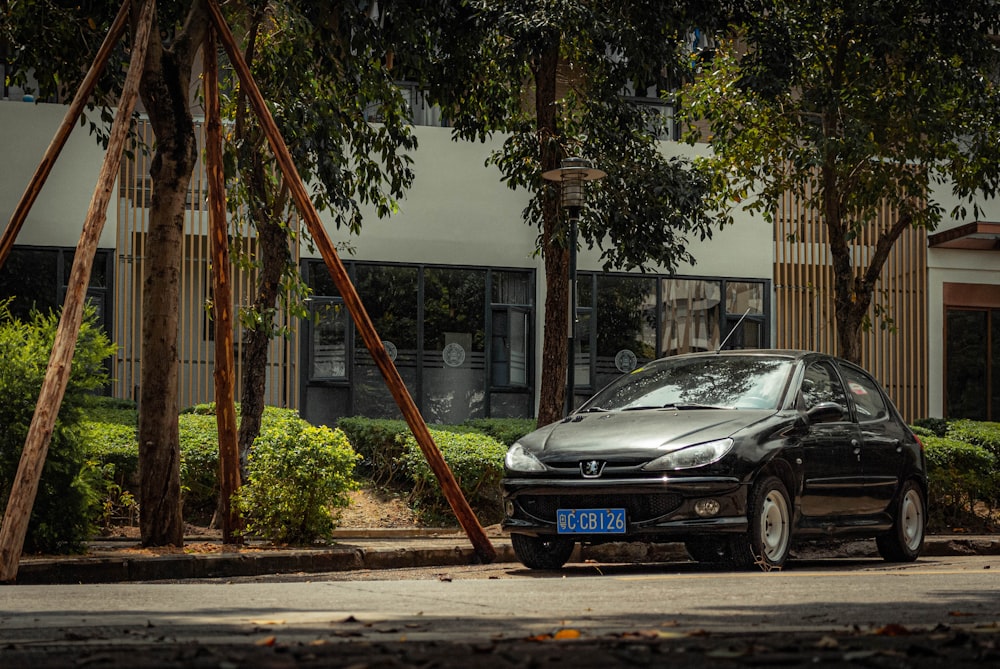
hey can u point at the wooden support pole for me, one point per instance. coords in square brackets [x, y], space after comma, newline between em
[452, 492]
[36, 445]
[62, 134]
[222, 301]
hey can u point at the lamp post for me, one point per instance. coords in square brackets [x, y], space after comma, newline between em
[571, 175]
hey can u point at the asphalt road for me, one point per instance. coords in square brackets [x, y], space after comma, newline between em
[937, 612]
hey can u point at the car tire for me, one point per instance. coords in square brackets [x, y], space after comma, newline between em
[711, 550]
[768, 540]
[905, 540]
[541, 552]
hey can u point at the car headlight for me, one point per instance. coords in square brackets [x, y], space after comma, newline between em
[520, 460]
[691, 456]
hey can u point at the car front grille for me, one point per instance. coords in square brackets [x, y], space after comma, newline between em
[638, 508]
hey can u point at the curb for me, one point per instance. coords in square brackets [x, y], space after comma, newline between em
[405, 549]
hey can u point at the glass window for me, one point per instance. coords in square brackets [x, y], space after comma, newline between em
[821, 384]
[454, 360]
[328, 343]
[705, 381]
[390, 295]
[31, 278]
[509, 346]
[868, 401]
[690, 315]
[625, 326]
[967, 351]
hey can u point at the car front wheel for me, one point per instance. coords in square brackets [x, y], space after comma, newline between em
[768, 540]
[541, 552]
[906, 538]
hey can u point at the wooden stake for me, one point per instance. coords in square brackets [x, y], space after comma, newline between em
[463, 512]
[222, 301]
[22, 495]
[62, 134]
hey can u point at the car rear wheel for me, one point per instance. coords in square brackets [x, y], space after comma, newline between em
[906, 538]
[768, 540]
[541, 552]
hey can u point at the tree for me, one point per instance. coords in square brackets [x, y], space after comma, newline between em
[550, 76]
[328, 65]
[853, 106]
[321, 115]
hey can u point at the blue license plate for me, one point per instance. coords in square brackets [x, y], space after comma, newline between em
[591, 521]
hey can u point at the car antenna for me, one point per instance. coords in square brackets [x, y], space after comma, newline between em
[735, 327]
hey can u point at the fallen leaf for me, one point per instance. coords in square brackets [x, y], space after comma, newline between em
[827, 642]
[960, 614]
[892, 629]
[266, 641]
[567, 634]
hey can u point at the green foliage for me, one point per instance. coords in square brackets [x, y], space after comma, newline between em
[381, 445]
[980, 433]
[935, 426]
[297, 476]
[476, 460]
[199, 465]
[960, 475]
[504, 430]
[852, 108]
[68, 492]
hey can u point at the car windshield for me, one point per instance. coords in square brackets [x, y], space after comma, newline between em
[718, 381]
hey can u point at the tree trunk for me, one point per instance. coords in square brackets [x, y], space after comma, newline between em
[165, 93]
[273, 249]
[555, 250]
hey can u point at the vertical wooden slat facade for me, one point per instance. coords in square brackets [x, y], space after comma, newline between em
[804, 306]
[196, 344]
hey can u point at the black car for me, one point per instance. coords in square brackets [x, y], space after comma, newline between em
[735, 453]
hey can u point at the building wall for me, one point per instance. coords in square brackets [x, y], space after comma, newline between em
[954, 266]
[57, 217]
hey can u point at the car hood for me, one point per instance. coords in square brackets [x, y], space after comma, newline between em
[636, 434]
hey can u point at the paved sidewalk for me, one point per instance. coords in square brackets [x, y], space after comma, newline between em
[113, 561]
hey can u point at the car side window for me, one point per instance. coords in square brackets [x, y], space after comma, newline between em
[868, 400]
[821, 384]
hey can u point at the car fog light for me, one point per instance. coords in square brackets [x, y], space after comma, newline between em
[707, 507]
[508, 508]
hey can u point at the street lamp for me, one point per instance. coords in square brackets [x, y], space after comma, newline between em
[571, 175]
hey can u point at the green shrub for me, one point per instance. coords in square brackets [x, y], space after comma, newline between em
[381, 445]
[109, 433]
[297, 476]
[504, 430]
[199, 464]
[960, 475]
[938, 427]
[68, 493]
[980, 433]
[475, 459]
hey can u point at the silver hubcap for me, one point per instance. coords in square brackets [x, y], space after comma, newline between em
[911, 520]
[774, 526]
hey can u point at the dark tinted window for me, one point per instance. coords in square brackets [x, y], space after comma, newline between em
[868, 400]
[821, 384]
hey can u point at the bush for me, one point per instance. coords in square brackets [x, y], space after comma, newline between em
[937, 427]
[199, 464]
[380, 443]
[504, 430]
[297, 475]
[68, 493]
[109, 434]
[475, 459]
[960, 475]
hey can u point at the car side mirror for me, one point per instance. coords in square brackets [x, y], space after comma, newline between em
[826, 412]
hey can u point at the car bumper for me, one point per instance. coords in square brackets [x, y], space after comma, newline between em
[663, 508]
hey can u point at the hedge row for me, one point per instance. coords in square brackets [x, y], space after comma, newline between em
[963, 470]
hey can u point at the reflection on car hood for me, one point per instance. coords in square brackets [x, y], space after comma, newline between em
[627, 434]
